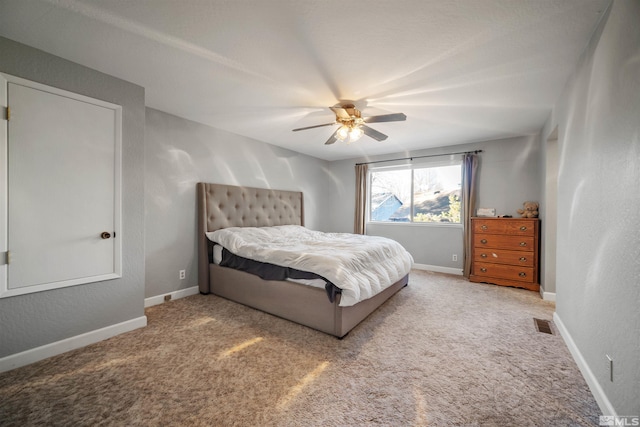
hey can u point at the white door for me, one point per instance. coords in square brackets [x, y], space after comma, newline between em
[63, 167]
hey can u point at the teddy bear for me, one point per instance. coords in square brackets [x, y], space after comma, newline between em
[530, 210]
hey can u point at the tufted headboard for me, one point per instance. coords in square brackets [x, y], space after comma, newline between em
[222, 206]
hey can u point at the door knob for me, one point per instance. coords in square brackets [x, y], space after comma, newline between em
[105, 235]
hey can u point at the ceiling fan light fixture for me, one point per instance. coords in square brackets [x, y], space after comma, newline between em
[353, 126]
[355, 133]
[342, 133]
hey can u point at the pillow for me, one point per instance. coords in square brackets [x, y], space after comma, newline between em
[217, 254]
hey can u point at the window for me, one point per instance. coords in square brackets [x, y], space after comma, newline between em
[416, 194]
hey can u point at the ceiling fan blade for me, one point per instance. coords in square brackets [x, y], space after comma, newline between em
[316, 126]
[340, 112]
[395, 117]
[332, 138]
[378, 136]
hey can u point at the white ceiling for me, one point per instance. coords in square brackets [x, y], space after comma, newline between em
[461, 70]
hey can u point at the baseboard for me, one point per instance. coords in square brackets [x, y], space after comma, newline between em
[547, 296]
[43, 352]
[159, 299]
[592, 382]
[438, 269]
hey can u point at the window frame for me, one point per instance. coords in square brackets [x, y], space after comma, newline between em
[412, 166]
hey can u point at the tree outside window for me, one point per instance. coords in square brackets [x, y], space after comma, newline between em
[418, 195]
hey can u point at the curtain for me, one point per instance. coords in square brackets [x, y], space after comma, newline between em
[361, 198]
[469, 169]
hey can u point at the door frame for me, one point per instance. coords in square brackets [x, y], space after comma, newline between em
[5, 291]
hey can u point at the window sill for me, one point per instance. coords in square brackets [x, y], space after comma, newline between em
[414, 224]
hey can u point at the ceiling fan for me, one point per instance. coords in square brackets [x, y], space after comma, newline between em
[353, 124]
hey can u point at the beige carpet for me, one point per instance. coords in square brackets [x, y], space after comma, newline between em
[442, 352]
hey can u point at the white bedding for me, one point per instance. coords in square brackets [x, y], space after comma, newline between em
[361, 266]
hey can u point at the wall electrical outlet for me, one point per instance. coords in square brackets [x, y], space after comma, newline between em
[182, 274]
[610, 367]
[454, 257]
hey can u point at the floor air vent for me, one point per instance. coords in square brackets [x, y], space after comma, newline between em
[543, 326]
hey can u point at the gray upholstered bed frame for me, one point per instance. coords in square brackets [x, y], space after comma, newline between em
[221, 206]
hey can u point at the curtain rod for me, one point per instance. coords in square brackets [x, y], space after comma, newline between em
[420, 157]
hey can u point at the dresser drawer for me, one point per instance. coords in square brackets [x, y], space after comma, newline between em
[501, 226]
[501, 256]
[514, 243]
[510, 272]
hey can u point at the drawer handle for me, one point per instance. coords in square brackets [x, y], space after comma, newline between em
[484, 270]
[484, 227]
[523, 228]
[523, 243]
[523, 259]
[483, 255]
[522, 274]
[483, 241]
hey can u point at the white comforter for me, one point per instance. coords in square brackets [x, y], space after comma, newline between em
[361, 266]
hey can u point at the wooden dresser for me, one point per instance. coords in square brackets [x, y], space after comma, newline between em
[506, 251]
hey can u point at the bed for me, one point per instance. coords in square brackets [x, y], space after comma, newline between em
[224, 206]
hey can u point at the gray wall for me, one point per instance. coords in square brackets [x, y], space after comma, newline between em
[29, 321]
[598, 252]
[508, 175]
[180, 153]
